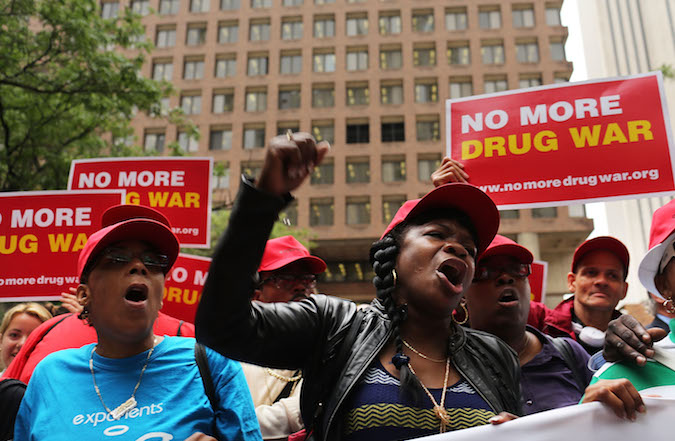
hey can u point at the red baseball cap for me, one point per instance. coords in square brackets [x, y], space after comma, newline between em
[466, 198]
[607, 243]
[503, 246]
[130, 222]
[285, 250]
[661, 237]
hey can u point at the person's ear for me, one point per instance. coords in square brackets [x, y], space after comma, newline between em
[257, 294]
[82, 294]
[571, 282]
[625, 290]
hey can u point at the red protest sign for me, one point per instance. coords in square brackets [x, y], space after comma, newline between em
[183, 286]
[564, 143]
[178, 187]
[41, 235]
[537, 281]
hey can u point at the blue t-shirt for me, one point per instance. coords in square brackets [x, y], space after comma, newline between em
[61, 403]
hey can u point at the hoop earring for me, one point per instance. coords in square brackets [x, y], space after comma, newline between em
[395, 276]
[466, 315]
[669, 305]
[84, 315]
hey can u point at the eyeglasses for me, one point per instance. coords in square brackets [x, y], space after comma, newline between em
[517, 270]
[288, 281]
[155, 262]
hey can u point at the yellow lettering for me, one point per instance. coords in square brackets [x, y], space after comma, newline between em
[191, 200]
[158, 199]
[585, 137]
[468, 145]
[133, 198]
[4, 248]
[513, 144]
[548, 144]
[190, 297]
[640, 127]
[494, 143]
[613, 134]
[80, 240]
[28, 247]
[59, 242]
[176, 200]
[174, 295]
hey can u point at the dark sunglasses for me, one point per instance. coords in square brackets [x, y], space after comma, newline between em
[288, 281]
[517, 270]
[155, 262]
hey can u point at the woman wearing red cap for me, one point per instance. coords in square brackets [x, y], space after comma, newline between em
[401, 368]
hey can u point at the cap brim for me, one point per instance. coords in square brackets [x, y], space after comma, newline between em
[521, 253]
[315, 264]
[468, 199]
[649, 266]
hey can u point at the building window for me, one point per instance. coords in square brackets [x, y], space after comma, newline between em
[423, 21]
[289, 98]
[391, 58]
[141, 7]
[455, 19]
[221, 176]
[426, 165]
[323, 95]
[553, 15]
[165, 37]
[193, 70]
[199, 5]
[256, 100]
[390, 205]
[168, 7]
[323, 2]
[187, 143]
[561, 77]
[323, 131]
[357, 210]
[357, 59]
[461, 87]
[223, 101]
[358, 94]
[391, 93]
[259, 4]
[492, 85]
[257, 65]
[393, 169]
[228, 32]
[290, 63]
[324, 27]
[509, 214]
[424, 55]
[357, 25]
[459, 53]
[490, 17]
[154, 142]
[291, 29]
[428, 129]
[229, 5]
[162, 70]
[284, 126]
[557, 48]
[259, 31]
[347, 272]
[390, 23]
[163, 109]
[226, 66]
[220, 138]
[492, 53]
[323, 62]
[523, 16]
[191, 104]
[196, 35]
[289, 215]
[358, 170]
[321, 212]
[323, 173]
[254, 136]
[426, 91]
[545, 212]
[251, 168]
[358, 132]
[527, 52]
[577, 210]
[290, 3]
[529, 81]
[110, 9]
[392, 131]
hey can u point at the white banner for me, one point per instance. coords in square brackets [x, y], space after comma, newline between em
[585, 422]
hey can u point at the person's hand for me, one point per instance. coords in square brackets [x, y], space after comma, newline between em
[198, 436]
[449, 171]
[627, 339]
[289, 160]
[69, 301]
[501, 418]
[620, 395]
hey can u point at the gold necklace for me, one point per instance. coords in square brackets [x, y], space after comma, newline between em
[439, 409]
[282, 378]
[435, 360]
[129, 404]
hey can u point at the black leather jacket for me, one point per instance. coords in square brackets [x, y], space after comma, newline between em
[310, 334]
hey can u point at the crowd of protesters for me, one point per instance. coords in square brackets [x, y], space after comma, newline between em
[450, 341]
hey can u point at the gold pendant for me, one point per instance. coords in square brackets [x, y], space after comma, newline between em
[123, 408]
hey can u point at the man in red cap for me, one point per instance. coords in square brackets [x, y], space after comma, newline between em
[287, 273]
[598, 281]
